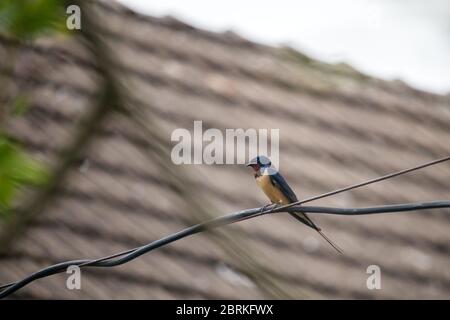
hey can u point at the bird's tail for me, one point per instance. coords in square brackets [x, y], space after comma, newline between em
[302, 217]
[334, 245]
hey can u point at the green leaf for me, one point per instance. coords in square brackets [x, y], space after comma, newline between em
[28, 171]
[26, 19]
[7, 192]
[17, 169]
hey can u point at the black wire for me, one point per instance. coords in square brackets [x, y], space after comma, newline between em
[124, 257]
[371, 181]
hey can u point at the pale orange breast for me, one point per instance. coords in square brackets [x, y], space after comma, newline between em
[274, 194]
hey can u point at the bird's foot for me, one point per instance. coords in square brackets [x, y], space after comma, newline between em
[269, 206]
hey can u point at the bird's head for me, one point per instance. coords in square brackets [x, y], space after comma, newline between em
[259, 162]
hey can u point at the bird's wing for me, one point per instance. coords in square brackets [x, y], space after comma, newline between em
[279, 182]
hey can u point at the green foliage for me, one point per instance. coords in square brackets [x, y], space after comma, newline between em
[17, 169]
[26, 19]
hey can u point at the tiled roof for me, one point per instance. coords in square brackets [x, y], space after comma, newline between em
[337, 127]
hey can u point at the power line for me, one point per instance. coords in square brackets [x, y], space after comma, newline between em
[126, 256]
[365, 183]
[115, 260]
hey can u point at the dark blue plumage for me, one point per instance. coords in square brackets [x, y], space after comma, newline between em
[263, 169]
[278, 181]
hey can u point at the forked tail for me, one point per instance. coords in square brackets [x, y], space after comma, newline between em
[334, 245]
[302, 217]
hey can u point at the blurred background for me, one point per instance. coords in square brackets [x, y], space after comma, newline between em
[358, 90]
[402, 39]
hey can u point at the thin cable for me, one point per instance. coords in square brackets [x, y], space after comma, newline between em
[365, 183]
[243, 215]
[214, 223]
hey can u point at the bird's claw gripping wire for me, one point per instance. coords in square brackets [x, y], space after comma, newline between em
[269, 207]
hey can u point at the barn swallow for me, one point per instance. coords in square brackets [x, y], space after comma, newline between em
[278, 191]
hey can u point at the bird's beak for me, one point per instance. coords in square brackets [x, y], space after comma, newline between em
[254, 166]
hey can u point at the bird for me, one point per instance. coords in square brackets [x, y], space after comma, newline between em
[279, 192]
